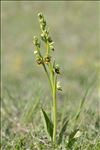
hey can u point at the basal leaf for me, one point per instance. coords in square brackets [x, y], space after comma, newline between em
[63, 129]
[72, 139]
[47, 123]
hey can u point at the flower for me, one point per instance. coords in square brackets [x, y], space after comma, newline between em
[52, 47]
[49, 39]
[59, 86]
[57, 69]
[47, 59]
[39, 60]
[35, 52]
[42, 21]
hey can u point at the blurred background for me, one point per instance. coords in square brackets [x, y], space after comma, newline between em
[74, 27]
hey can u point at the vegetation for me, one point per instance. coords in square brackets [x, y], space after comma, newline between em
[69, 114]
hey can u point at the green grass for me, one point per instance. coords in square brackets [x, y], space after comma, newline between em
[74, 27]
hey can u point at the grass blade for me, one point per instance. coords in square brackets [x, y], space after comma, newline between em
[30, 110]
[83, 101]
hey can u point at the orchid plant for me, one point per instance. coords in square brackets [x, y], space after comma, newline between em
[52, 71]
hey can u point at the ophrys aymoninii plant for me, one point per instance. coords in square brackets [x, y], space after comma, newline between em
[52, 71]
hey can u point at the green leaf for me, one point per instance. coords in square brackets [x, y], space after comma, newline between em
[73, 133]
[47, 123]
[72, 138]
[63, 129]
[78, 134]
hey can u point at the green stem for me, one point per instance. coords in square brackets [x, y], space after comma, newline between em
[45, 69]
[51, 74]
[47, 48]
[47, 75]
[54, 111]
[53, 80]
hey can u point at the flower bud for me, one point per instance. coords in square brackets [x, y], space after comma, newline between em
[46, 32]
[59, 86]
[35, 39]
[43, 37]
[36, 42]
[52, 48]
[49, 39]
[43, 24]
[40, 15]
[35, 52]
